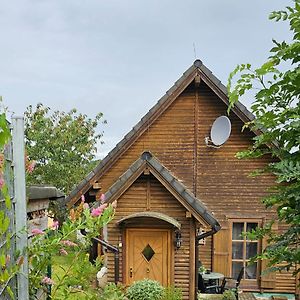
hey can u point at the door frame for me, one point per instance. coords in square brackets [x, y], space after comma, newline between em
[170, 259]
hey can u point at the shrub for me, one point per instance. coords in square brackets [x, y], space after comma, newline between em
[145, 289]
[172, 293]
[113, 292]
[229, 295]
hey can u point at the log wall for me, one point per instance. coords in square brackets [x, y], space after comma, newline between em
[216, 176]
[135, 200]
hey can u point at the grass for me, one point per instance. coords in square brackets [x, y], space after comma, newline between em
[209, 296]
[81, 281]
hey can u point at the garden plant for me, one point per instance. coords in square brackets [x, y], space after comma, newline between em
[72, 279]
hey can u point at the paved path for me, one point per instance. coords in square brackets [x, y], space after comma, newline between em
[246, 296]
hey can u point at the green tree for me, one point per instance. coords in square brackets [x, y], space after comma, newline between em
[276, 108]
[63, 146]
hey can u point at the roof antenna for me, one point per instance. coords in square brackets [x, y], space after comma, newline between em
[195, 53]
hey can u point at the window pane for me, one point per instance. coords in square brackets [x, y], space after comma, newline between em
[250, 272]
[251, 250]
[251, 226]
[237, 250]
[237, 229]
[236, 268]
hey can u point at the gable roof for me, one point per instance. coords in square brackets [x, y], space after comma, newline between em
[169, 181]
[199, 70]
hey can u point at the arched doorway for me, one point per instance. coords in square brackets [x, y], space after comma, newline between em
[149, 247]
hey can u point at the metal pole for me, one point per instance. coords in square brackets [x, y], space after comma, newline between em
[115, 250]
[20, 203]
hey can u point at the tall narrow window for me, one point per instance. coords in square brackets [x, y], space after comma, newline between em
[243, 249]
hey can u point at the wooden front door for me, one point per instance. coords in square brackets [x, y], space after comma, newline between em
[148, 255]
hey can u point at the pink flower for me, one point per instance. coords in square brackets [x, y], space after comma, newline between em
[114, 204]
[86, 206]
[102, 198]
[31, 166]
[1, 181]
[68, 243]
[96, 212]
[103, 206]
[55, 225]
[37, 231]
[82, 198]
[62, 251]
[47, 280]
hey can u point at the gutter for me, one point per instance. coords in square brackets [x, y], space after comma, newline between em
[201, 236]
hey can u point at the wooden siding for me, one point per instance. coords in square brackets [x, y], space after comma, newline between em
[135, 200]
[205, 253]
[223, 181]
[216, 176]
[170, 139]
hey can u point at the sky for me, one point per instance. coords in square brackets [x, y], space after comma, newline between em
[119, 57]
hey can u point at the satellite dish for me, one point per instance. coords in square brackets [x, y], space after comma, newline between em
[220, 130]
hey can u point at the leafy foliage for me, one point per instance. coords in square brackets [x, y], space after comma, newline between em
[277, 120]
[72, 278]
[63, 145]
[113, 292]
[145, 289]
[229, 295]
[9, 266]
[171, 293]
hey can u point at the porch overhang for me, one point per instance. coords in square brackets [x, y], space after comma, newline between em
[151, 214]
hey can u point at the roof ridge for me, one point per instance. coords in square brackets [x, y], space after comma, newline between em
[150, 116]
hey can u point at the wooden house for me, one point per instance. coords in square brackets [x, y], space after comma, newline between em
[171, 187]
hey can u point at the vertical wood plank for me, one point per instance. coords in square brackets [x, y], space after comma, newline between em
[221, 242]
[148, 196]
[192, 258]
[196, 129]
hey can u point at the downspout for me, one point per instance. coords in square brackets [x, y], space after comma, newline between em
[199, 237]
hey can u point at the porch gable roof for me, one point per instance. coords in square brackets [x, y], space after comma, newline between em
[148, 162]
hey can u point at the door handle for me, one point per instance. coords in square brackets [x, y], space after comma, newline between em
[130, 272]
[148, 270]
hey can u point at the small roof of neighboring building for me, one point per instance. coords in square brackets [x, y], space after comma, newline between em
[43, 192]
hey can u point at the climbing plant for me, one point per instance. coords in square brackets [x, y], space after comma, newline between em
[9, 265]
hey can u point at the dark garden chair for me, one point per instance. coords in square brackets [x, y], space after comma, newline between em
[230, 283]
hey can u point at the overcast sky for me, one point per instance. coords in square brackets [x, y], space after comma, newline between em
[120, 56]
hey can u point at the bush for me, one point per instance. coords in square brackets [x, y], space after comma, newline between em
[229, 295]
[145, 289]
[172, 293]
[113, 292]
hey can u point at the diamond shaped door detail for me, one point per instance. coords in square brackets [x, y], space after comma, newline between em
[148, 252]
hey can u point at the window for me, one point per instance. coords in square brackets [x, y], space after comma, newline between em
[243, 249]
